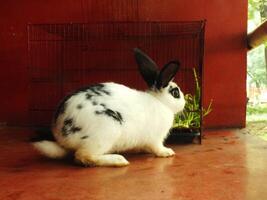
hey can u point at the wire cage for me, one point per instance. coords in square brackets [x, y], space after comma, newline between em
[64, 57]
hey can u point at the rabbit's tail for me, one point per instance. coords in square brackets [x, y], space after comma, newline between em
[44, 142]
[50, 149]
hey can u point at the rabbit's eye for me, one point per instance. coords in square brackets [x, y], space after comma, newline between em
[175, 93]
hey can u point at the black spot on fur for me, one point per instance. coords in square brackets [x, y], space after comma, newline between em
[90, 91]
[103, 105]
[79, 106]
[94, 103]
[98, 112]
[88, 96]
[69, 127]
[94, 91]
[98, 86]
[68, 121]
[106, 92]
[75, 129]
[99, 89]
[65, 131]
[110, 113]
[84, 137]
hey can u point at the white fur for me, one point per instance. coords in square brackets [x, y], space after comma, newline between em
[147, 118]
[50, 149]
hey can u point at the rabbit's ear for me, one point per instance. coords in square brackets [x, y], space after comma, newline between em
[167, 74]
[147, 67]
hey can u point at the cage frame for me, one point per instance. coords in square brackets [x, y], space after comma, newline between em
[201, 31]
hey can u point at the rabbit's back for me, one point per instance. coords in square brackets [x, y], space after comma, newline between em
[110, 110]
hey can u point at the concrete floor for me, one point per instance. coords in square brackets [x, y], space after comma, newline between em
[228, 165]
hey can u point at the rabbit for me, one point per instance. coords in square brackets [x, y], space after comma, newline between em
[99, 121]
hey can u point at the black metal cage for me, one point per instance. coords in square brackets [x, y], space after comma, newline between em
[63, 57]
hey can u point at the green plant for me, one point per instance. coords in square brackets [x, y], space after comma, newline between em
[191, 115]
[256, 110]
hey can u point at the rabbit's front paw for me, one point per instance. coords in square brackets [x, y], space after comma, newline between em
[164, 152]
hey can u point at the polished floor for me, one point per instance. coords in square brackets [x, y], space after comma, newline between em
[227, 166]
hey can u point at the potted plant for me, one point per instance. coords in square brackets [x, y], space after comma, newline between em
[187, 125]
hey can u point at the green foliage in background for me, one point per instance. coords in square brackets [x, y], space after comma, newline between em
[254, 8]
[256, 67]
[257, 113]
[191, 115]
[253, 110]
[256, 62]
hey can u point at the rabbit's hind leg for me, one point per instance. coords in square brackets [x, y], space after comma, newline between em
[96, 150]
[85, 157]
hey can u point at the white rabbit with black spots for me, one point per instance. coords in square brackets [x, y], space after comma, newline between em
[99, 121]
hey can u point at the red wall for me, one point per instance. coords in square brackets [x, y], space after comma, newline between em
[225, 50]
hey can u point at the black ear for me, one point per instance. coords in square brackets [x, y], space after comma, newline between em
[147, 67]
[167, 74]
